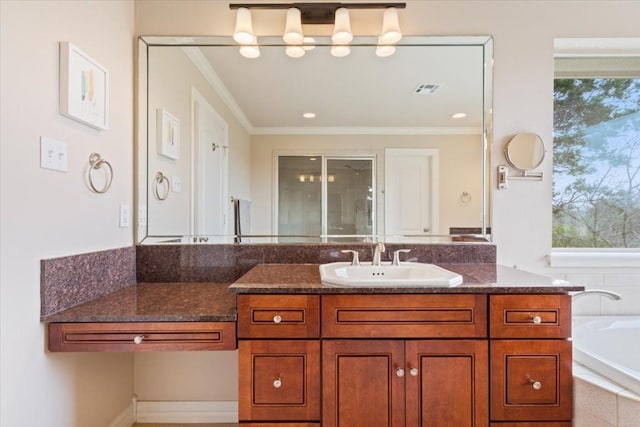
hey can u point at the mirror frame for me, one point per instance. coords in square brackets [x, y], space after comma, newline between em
[519, 138]
[142, 186]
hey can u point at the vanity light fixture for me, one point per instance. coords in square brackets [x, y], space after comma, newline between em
[299, 14]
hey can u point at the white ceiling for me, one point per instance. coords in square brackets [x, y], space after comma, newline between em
[357, 92]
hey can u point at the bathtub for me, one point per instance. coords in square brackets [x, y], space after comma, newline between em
[610, 346]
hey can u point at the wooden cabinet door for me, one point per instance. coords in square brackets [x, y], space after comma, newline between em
[531, 380]
[447, 383]
[363, 383]
[279, 380]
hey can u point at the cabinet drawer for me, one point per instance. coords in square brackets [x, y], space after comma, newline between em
[142, 336]
[531, 380]
[278, 316]
[279, 380]
[404, 316]
[530, 316]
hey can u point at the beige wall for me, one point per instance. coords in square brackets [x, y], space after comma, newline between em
[49, 214]
[523, 34]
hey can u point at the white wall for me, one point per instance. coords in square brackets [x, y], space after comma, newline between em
[523, 34]
[50, 214]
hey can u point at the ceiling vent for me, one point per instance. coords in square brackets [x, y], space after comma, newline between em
[426, 88]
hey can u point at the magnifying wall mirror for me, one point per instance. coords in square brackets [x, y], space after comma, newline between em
[525, 152]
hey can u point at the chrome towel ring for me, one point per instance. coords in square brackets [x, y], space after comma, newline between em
[161, 180]
[95, 163]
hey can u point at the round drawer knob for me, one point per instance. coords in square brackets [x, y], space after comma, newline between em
[277, 383]
[277, 318]
[413, 372]
[400, 372]
[537, 385]
[537, 319]
[138, 339]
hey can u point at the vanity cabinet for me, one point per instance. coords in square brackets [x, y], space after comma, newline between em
[374, 359]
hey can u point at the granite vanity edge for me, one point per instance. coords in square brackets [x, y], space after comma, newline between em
[321, 289]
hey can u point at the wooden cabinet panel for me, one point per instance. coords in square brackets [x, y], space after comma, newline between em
[447, 383]
[251, 424]
[142, 336]
[404, 316]
[279, 380]
[534, 424]
[530, 316]
[278, 316]
[363, 383]
[531, 380]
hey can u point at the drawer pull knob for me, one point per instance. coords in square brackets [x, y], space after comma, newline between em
[537, 385]
[138, 339]
[400, 372]
[277, 383]
[537, 319]
[277, 318]
[413, 372]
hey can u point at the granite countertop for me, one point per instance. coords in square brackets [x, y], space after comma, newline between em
[157, 302]
[477, 278]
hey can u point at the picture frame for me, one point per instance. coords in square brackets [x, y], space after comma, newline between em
[168, 134]
[84, 87]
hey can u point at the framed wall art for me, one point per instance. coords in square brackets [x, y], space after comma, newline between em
[168, 134]
[84, 87]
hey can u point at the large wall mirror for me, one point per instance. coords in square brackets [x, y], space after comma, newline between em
[313, 149]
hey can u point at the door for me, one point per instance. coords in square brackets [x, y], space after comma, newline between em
[447, 383]
[363, 383]
[211, 204]
[411, 192]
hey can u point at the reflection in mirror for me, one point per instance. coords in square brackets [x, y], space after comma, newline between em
[392, 161]
[525, 152]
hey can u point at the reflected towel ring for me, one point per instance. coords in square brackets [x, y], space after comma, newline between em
[465, 197]
[161, 179]
[96, 162]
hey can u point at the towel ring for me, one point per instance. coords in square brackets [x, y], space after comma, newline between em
[96, 162]
[161, 179]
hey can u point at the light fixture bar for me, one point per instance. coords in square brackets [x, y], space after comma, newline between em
[317, 13]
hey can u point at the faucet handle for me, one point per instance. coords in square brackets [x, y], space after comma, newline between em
[396, 256]
[356, 259]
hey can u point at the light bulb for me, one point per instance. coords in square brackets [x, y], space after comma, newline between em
[293, 27]
[243, 33]
[295, 51]
[340, 51]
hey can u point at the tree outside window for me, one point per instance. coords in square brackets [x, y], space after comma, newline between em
[596, 172]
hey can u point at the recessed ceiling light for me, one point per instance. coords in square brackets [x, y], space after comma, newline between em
[312, 158]
[459, 115]
[309, 115]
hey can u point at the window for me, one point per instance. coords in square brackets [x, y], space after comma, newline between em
[596, 153]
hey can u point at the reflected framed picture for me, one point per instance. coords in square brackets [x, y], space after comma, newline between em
[84, 87]
[168, 134]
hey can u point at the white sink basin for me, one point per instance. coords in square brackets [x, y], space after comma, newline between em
[405, 274]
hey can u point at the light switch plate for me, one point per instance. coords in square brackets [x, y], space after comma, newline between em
[53, 154]
[176, 184]
[124, 215]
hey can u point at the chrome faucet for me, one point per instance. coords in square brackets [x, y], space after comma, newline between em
[611, 295]
[376, 254]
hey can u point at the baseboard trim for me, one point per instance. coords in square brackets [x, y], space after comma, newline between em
[126, 417]
[187, 412]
